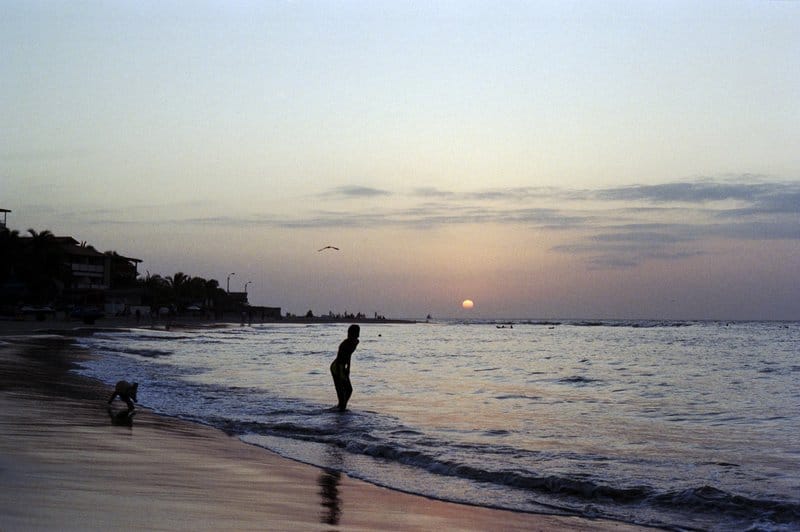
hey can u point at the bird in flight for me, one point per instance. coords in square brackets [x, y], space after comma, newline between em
[328, 247]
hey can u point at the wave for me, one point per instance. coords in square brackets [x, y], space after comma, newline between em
[636, 324]
[712, 500]
[518, 396]
[578, 379]
[583, 323]
[147, 353]
[562, 492]
[491, 464]
[147, 335]
[575, 494]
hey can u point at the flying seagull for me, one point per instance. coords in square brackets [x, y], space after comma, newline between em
[328, 247]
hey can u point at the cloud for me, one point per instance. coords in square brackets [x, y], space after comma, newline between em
[631, 260]
[775, 230]
[779, 200]
[626, 246]
[766, 211]
[758, 198]
[518, 194]
[629, 250]
[357, 191]
[432, 192]
[619, 227]
[701, 192]
[650, 237]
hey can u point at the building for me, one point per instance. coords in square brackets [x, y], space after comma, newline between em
[86, 269]
[60, 273]
[88, 277]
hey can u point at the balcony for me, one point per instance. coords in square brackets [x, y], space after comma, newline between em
[88, 269]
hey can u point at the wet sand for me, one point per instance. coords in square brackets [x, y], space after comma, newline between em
[67, 462]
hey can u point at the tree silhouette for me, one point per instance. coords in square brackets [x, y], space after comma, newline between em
[179, 284]
[211, 292]
[44, 266]
[155, 291]
[34, 269]
[11, 253]
[123, 273]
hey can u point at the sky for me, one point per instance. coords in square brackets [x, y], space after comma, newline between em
[622, 159]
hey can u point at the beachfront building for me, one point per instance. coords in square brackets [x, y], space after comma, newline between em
[105, 280]
[123, 293]
[47, 272]
[42, 274]
[237, 304]
[86, 269]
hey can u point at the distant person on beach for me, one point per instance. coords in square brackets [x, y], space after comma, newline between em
[340, 368]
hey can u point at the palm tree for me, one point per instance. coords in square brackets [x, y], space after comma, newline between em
[156, 291]
[44, 236]
[10, 251]
[179, 284]
[43, 265]
[212, 292]
[11, 287]
[196, 290]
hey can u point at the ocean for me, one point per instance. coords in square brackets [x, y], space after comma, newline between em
[676, 424]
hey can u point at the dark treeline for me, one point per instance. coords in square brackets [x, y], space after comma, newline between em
[180, 291]
[39, 269]
[31, 268]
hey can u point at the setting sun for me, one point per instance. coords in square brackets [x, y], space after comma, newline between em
[467, 304]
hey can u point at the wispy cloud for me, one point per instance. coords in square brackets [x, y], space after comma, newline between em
[432, 192]
[699, 192]
[358, 191]
[756, 198]
[619, 227]
[757, 230]
[632, 258]
[641, 237]
[779, 200]
[763, 211]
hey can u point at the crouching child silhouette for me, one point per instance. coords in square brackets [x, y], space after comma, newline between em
[340, 368]
[126, 391]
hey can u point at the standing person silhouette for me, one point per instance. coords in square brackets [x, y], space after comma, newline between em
[340, 368]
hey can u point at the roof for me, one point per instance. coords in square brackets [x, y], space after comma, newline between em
[115, 255]
[87, 251]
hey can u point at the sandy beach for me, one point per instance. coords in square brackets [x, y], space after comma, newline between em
[68, 462]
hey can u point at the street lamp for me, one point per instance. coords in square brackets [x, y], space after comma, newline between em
[229, 281]
[245, 286]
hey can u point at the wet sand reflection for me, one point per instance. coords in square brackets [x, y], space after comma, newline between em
[329, 491]
[122, 418]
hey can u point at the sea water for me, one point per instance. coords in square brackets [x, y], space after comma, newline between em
[683, 425]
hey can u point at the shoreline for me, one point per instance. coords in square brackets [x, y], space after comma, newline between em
[67, 462]
[71, 327]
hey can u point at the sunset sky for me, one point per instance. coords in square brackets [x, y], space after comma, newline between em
[543, 159]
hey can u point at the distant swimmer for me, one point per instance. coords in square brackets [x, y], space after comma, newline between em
[328, 247]
[340, 368]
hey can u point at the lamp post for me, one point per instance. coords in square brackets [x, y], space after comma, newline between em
[228, 286]
[245, 286]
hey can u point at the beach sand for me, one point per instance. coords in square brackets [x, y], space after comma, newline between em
[68, 463]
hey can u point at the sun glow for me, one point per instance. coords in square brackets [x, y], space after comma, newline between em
[467, 304]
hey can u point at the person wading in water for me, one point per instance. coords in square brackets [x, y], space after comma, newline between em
[340, 368]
